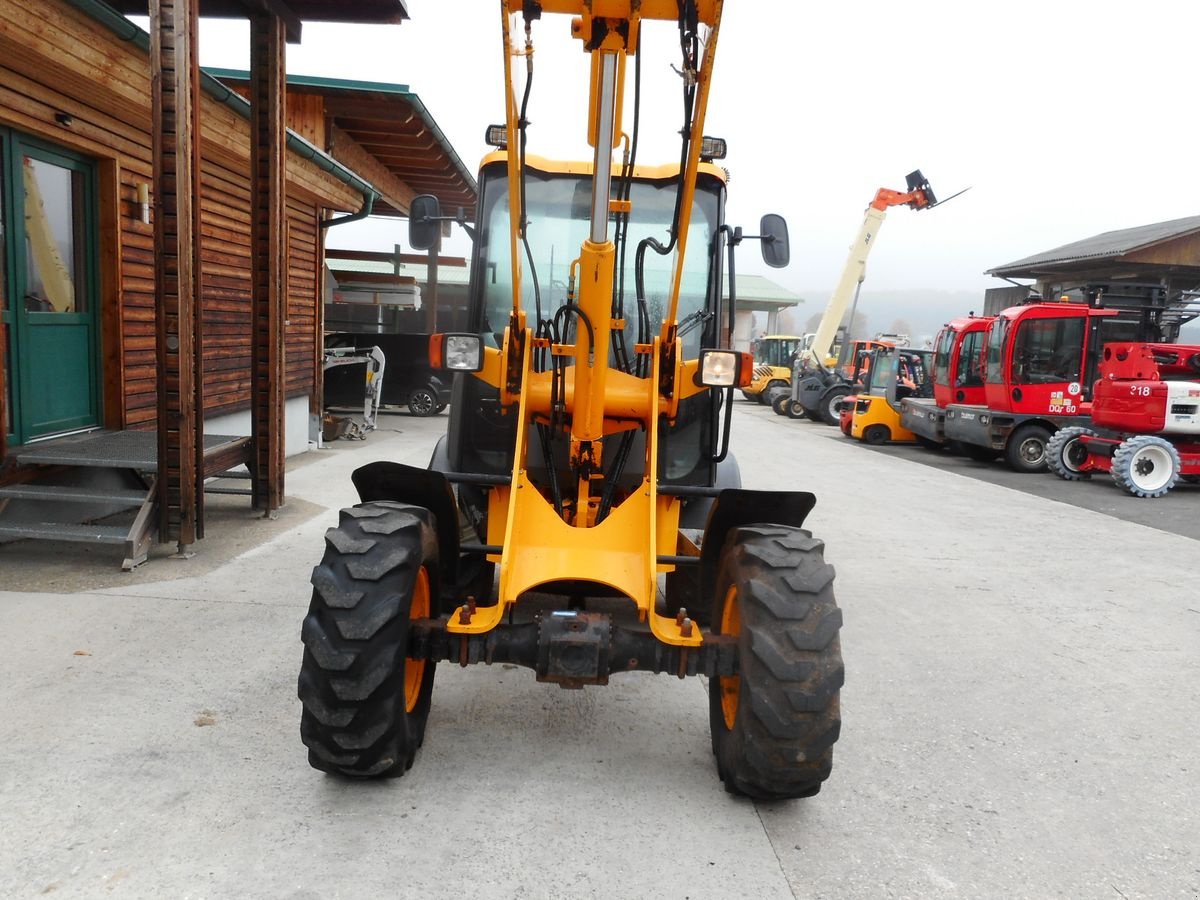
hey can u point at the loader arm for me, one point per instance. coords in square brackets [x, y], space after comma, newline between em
[555, 372]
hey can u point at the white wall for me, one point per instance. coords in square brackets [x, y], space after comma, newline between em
[743, 330]
[295, 425]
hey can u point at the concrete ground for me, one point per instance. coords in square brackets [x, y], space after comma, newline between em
[1020, 719]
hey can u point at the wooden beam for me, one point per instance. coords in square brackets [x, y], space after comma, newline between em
[419, 259]
[316, 402]
[350, 153]
[268, 192]
[279, 10]
[175, 80]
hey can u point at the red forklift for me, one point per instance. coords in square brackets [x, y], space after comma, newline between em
[959, 359]
[1041, 362]
[1147, 400]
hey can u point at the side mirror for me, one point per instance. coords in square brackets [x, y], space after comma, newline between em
[424, 222]
[774, 242]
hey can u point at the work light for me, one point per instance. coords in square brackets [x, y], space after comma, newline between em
[712, 148]
[724, 368]
[456, 352]
[496, 136]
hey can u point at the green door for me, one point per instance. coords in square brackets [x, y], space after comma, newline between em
[48, 203]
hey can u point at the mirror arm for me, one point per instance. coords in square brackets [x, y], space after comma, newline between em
[460, 219]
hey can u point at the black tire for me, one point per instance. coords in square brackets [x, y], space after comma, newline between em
[1065, 454]
[774, 725]
[795, 410]
[442, 406]
[780, 404]
[1025, 451]
[876, 434]
[365, 703]
[1146, 465]
[423, 402]
[773, 391]
[829, 401]
[753, 398]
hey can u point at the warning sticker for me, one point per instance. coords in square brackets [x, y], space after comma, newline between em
[1061, 405]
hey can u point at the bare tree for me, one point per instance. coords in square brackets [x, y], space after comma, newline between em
[859, 329]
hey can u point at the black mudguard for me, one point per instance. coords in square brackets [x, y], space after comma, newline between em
[810, 391]
[736, 507]
[420, 487]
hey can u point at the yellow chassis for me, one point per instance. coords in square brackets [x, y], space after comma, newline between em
[879, 412]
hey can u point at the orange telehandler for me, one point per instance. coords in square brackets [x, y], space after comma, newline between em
[587, 456]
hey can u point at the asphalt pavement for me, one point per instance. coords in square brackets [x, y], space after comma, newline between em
[1020, 718]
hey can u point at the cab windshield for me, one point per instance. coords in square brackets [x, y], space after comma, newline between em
[776, 351]
[558, 209]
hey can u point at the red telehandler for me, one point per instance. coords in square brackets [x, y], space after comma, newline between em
[1148, 397]
[1041, 363]
[958, 366]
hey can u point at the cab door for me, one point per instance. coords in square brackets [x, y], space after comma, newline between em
[1047, 364]
[48, 206]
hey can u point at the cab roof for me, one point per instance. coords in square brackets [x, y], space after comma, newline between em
[582, 167]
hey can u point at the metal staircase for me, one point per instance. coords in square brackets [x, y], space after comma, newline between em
[97, 488]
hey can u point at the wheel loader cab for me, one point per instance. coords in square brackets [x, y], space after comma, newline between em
[558, 205]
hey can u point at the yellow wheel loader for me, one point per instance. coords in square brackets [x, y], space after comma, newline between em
[583, 516]
[773, 356]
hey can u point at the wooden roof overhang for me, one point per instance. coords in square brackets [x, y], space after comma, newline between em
[1169, 250]
[291, 12]
[385, 133]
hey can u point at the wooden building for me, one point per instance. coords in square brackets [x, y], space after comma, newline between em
[162, 292]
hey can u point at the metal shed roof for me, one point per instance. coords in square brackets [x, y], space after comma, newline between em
[754, 292]
[1110, 245]
[392, 124]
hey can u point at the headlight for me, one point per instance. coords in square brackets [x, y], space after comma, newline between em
[456, 352]
[724, 368]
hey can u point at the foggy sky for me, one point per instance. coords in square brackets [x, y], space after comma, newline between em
[1066, 118]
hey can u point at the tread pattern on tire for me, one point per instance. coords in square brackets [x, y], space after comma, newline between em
[781, 743]
[1056, 450]
[1122, 462]
[351, 681]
